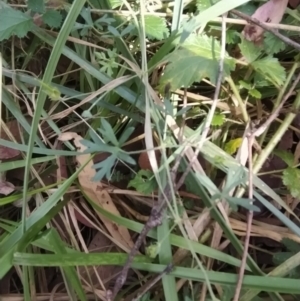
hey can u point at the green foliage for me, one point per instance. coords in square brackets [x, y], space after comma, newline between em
[249, 50]
[233, 145]
[218, 120]
[108, 61]
[51, 91]
[105, 167]
[193, 61]
[204, 4]
[286, 156]
[198, 58]
[272, 44]
[37, 6]
[153, 250]
[235, 177]
[156, 27]
[232, 36]
[52, 18]
[14, 22]
[245, 85]
[252, 91]
[101, 24]
[146, 297]
[249, 8]
[292, 249]
[255, 93]
[271, 69]
[115, 3]
[291, 179]
[144, 182]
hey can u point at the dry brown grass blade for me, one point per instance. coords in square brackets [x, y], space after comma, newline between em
[95, 191]
[222, 104]
[260, 229]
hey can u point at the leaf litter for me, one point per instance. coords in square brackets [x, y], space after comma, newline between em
[192, 65]
[97, 194]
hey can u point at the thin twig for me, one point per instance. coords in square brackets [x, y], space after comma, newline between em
[267, 28]
[155, 219]
[275, 114]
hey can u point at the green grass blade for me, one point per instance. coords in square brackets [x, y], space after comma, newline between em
[8, 246]
[124, 92]
[21, 163]
[49, 208]
[177, 15]
[18, 196]
[273, 284]
[47, 79]
[175, 240]
[165, 258]
[15, 111]
[70, 273]
[37, 150]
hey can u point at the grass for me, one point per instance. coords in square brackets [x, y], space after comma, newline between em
[81, 101]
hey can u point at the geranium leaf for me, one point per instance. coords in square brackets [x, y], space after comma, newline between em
[198, 58]
[14, 22]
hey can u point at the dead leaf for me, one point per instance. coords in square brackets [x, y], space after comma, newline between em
[6, 188]
[5, 283]
[14, 128]
[144, 162]
[294, 3]
[287, 140]
[270, 12]
[82, 219]
[7, 153]
[38, 20]
[97, 193]
[56, 4]
[100, 244]
[297, 153]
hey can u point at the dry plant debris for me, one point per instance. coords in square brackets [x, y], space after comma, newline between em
[153, 166]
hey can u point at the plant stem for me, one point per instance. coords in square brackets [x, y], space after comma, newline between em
[238, 98]
[265, 153]
[278, 100]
